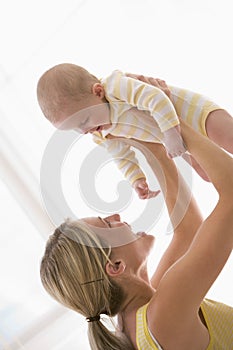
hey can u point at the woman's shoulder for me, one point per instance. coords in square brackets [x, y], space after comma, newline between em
[170, 329]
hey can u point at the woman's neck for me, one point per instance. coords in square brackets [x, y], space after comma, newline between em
[137, 289]
[137, 293]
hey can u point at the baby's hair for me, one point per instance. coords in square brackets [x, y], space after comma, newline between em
[60, 87]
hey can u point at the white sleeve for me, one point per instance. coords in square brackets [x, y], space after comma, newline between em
[144, 97]
[123, 156]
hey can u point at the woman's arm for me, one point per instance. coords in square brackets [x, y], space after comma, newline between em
[182, 208]
[183, 287]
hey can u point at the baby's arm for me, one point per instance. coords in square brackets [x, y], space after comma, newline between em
[172, 138]
[126, 161]
[151, 97]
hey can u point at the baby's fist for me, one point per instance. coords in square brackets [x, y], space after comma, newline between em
[143, 190]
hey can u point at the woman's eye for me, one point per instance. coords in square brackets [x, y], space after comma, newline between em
[108, 223]
[84, 122]
[105, 221]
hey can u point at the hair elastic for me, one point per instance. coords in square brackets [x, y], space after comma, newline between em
[93, 319]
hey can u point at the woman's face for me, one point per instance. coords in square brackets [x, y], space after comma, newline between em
[119, 235]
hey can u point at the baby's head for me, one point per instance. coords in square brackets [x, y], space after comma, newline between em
[63, 90]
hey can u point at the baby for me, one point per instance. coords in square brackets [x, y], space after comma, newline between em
[121, 105]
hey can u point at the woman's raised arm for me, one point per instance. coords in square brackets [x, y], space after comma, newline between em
[183, 287]
[182, 208]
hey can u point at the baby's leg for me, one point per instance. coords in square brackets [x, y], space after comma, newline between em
[219, 125]
[219, 128]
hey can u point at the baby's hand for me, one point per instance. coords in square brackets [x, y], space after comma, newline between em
[173, 142]
[143, 190]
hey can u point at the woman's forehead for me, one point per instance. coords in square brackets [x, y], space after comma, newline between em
[115, 236]
[93, 221]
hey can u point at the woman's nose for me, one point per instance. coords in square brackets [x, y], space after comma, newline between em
[114, 217]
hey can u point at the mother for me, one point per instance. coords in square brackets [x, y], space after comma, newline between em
[85, 270]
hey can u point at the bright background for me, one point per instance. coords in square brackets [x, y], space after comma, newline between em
[187, 43]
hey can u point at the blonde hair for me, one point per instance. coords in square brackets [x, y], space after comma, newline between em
[73, 272]
[61, 86]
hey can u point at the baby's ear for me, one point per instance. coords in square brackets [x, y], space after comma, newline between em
[98, 90]
[115, 269]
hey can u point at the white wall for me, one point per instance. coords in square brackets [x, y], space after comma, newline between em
[188, 43]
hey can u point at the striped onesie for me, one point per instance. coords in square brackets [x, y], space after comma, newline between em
[218, 318]
[143, 112]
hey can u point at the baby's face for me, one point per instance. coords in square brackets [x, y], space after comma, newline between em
[90, 116]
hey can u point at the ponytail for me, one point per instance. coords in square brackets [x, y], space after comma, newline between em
[100, 337]
[73, 272]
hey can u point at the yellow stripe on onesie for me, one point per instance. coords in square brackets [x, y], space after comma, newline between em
[143, 112]
[125, 94]
[192, 107]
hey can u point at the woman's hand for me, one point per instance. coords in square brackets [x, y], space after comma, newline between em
[159, 83]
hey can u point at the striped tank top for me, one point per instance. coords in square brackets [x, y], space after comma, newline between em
[219, 320]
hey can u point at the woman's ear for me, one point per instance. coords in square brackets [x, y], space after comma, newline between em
[98, 90]
[115, 269]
